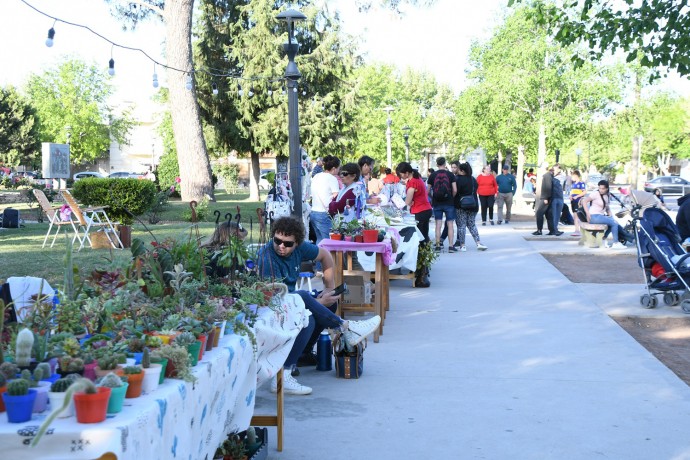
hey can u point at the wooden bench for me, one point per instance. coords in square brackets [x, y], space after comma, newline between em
[591, 234]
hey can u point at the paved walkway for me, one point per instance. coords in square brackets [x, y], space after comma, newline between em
[503, 358]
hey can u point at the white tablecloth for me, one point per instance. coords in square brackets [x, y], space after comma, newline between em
[179, 420]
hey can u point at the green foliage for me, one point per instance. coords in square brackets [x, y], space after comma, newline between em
[168, 171]
[9, 370]
[26, 375]
[19, 136]
[129, 370]
[146, 359]
[605, 26]
[75, 94]
[201, 211]
[69, 364]
[18, 387]
[118, 194]
[184, 339]
[160, 203]
[230, 173]
[108, 362]
[42, 371]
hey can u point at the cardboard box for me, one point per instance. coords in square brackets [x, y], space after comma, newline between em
[359, 289]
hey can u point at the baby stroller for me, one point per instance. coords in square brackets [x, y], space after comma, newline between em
[665, 264]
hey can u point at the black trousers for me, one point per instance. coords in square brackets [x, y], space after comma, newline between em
[543, 208]
[422, 219]
[487, 204]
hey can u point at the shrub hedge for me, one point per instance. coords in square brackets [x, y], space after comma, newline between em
[135, 195]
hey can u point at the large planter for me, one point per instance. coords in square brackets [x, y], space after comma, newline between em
[152, 377]
[103, 372]
[56, 402]
[164, 366]
[135, 385]
[370, 236]
[92, 408]
[19, 408]
[41, 401]
[117, 398]
[194, 351]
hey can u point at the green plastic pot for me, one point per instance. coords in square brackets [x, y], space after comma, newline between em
[117, 398]
[194, 350]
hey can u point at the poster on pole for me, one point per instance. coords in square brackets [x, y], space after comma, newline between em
[55, 160]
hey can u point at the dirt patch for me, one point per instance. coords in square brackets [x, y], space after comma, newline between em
[601, 269]
[668, 339]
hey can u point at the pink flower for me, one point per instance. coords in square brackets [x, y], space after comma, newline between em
[172, 188]
[178, 180]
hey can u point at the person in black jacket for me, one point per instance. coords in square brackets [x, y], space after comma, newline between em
[683, 216]
[467, 186]
[543, 200]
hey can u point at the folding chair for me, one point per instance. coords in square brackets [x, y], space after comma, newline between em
[54, 218]
[90, 218]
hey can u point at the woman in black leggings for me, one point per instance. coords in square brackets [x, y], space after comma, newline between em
[487, 190]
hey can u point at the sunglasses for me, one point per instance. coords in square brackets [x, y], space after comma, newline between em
[345, 174]
[287, 244]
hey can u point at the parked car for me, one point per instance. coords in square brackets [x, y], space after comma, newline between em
[123, 175]
[85, 174]
[669, 185]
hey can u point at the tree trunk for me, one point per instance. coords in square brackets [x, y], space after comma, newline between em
[636, 141]
[192, 157]
[254, 173]
[541, 156]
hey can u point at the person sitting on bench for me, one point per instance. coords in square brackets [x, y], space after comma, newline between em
[596, 205]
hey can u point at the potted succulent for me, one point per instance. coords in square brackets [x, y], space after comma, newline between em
[135, 377]
[109, 362]
[136, 345]
[233, 448]
[70, 365]
[178, 365]
[19, 401]
[190, 343]
[56, 395]
[23, 348]
[118, 390]
[91, 402]
[35, 382]
[152, 372]
[3, 388]
[337, 227]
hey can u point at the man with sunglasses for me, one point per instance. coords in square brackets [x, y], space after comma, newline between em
[280, 260]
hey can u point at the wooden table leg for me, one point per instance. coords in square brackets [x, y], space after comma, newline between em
[379, 297]
[274, 420]
[338, 276]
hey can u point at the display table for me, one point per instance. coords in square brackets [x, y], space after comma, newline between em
[383, 258]
[180, 419]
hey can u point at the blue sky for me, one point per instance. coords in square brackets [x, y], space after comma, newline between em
[435, 39]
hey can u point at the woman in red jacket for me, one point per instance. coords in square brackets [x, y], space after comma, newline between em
[487, 190]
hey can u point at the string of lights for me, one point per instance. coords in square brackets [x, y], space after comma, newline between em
[214, 73]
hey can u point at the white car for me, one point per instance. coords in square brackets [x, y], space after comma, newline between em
[85, 174]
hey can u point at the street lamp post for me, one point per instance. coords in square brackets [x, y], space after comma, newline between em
[389, 122]
[578, 152]
[406, 134]
[292, 76]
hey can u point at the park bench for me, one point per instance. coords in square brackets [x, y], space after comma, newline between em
[591, 234]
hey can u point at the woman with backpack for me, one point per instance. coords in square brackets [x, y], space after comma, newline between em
[487, 190]
[467, 215]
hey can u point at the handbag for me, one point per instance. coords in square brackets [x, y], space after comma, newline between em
[581, 214]
[349, 364]
[468, 202]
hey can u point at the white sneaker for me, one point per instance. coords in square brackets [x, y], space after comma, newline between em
[356, 331]
[481, 247]
[290, 385]
[463, 249]
[617, 245]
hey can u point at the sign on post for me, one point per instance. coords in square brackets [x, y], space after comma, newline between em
[55, 161]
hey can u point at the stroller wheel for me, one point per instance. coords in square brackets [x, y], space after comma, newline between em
[671, 299]
[648, 301]
[685, 305]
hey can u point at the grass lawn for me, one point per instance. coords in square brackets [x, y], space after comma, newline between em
[21, 253]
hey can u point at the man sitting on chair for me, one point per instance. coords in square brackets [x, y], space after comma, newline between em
[280, 259]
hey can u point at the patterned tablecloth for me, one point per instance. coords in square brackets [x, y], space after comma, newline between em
[408, 238]
[179, 420]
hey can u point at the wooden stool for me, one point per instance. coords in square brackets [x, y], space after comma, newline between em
[591, 234]
[274, 420]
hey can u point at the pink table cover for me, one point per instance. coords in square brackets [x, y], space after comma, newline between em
[383, 247]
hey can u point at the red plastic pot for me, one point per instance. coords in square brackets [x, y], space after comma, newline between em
[92, 408]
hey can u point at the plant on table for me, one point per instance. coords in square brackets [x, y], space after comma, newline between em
[179, 359]
[9, 370]
[337, 223]
[23, 347]
[70, 365]
[185, 339]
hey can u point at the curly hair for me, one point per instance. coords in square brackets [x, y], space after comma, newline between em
[289, 226]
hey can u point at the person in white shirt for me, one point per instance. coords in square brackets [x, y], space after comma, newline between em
[324, 187]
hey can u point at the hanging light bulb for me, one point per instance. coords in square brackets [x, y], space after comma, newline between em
[214, 88]
[283, 89]
[251, 92]
[51, 35]
[304, 91]
[294, 90]
[155, 80]
[188, 84]
[111, 67]
[239, 90]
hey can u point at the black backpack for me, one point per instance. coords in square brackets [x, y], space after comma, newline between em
[10, 218]
[441, 189]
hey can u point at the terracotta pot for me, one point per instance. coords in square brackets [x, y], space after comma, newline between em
[92, 408]
[370, 236]
[359, 239]
[336, 236]
[135, 385]
[202, 338]
[102, 373]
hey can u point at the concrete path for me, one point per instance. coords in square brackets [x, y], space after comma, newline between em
[502, 358]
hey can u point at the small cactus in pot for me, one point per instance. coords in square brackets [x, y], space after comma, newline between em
[18, 387]
[19, 401]
[61, 385]
[23, 347]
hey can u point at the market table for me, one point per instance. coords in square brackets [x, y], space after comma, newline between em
[408, 237]
[180, 419]
[383, 258]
